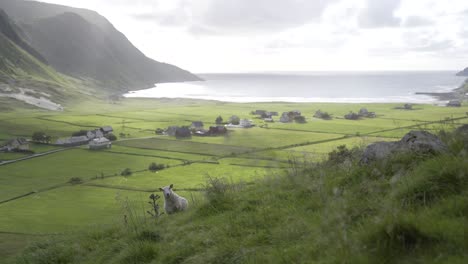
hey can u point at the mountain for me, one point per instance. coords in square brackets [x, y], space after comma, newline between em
[83, 44]
[463, 73]
[20, 60]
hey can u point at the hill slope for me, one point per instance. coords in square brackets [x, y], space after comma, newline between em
[19, 60]
[83, 44]
[407, 208]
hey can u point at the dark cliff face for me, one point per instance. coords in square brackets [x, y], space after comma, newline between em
[463, 73]
[83, 44]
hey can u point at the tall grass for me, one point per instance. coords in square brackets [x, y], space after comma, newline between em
[406, 209]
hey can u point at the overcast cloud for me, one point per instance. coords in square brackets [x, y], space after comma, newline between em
[263, 35]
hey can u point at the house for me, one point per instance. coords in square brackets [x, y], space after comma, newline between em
[95, 134]
[183, 132]
[285, 118]
[273, 113]
[295, 113]
[106, 129]
[266, 115]
[170, 131]
[454, 103]
[260, 112]
[217, 130]
[269, 120]
[352, 116]
[16, 144]
[197, 125]
[72, 141]
[408, 106]
[245, 123]
[365, 113]
[100, 143]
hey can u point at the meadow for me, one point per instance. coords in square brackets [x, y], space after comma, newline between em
[37, 195]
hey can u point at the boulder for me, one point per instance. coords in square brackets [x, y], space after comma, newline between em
[421, 142]
[378, 151]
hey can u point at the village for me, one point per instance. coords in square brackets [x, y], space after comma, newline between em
[101, 138]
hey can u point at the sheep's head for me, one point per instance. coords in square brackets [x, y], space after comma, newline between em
[167, 191]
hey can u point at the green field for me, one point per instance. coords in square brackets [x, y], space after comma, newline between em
[37, 198]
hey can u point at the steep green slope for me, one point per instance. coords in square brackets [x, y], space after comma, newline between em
[16, 61]
[404, 209]
[82, 43]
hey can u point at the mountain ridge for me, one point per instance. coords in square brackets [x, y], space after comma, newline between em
[85, 45]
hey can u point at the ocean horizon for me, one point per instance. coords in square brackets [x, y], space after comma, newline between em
[338, 87]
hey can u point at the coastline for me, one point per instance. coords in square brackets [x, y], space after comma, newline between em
[328, 89]
[457, 93]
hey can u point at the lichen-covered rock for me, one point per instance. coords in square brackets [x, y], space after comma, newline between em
[421, 142]
[378, 151]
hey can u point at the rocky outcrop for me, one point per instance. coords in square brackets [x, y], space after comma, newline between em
[463, 73]
[421, 142]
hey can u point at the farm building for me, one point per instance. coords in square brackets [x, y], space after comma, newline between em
[217, 130]
[100, 143]
[171, 131]
[183, 132]
[107, 129]
[72, 141]
[16, 144]
[285, 118]
[197, 125]
[352, 116]
[95, 134]
[245, 123]
[454, 103]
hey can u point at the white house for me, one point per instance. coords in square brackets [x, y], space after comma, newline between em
[99, 143]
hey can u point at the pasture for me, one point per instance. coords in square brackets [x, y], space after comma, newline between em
[37, 197]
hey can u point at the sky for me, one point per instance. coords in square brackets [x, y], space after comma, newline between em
[206, 36]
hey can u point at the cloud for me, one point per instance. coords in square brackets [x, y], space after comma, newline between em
[417, 21]
[379, 13]
[237, 16]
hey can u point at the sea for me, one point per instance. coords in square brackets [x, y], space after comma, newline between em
[342, 87]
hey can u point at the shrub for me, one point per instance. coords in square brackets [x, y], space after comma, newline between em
[300, 119]
[75, 180]
[153, 167]
[111, 137]
[126, 172]
[341, 154]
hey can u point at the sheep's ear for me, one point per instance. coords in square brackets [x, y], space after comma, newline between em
[161, 189]
[170, 186]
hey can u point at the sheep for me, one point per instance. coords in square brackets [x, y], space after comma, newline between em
[173, 203]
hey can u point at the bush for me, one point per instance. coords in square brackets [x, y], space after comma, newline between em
[111, 137]
[341, 154]
[75, 180]
[300, 119]
[126, 172]
[41, 137]
[153, 167]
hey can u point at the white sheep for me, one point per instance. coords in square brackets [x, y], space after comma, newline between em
[173, 203]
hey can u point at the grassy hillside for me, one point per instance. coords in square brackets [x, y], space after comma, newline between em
[405, 209]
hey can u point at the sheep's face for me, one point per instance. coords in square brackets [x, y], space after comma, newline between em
[167, 191]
